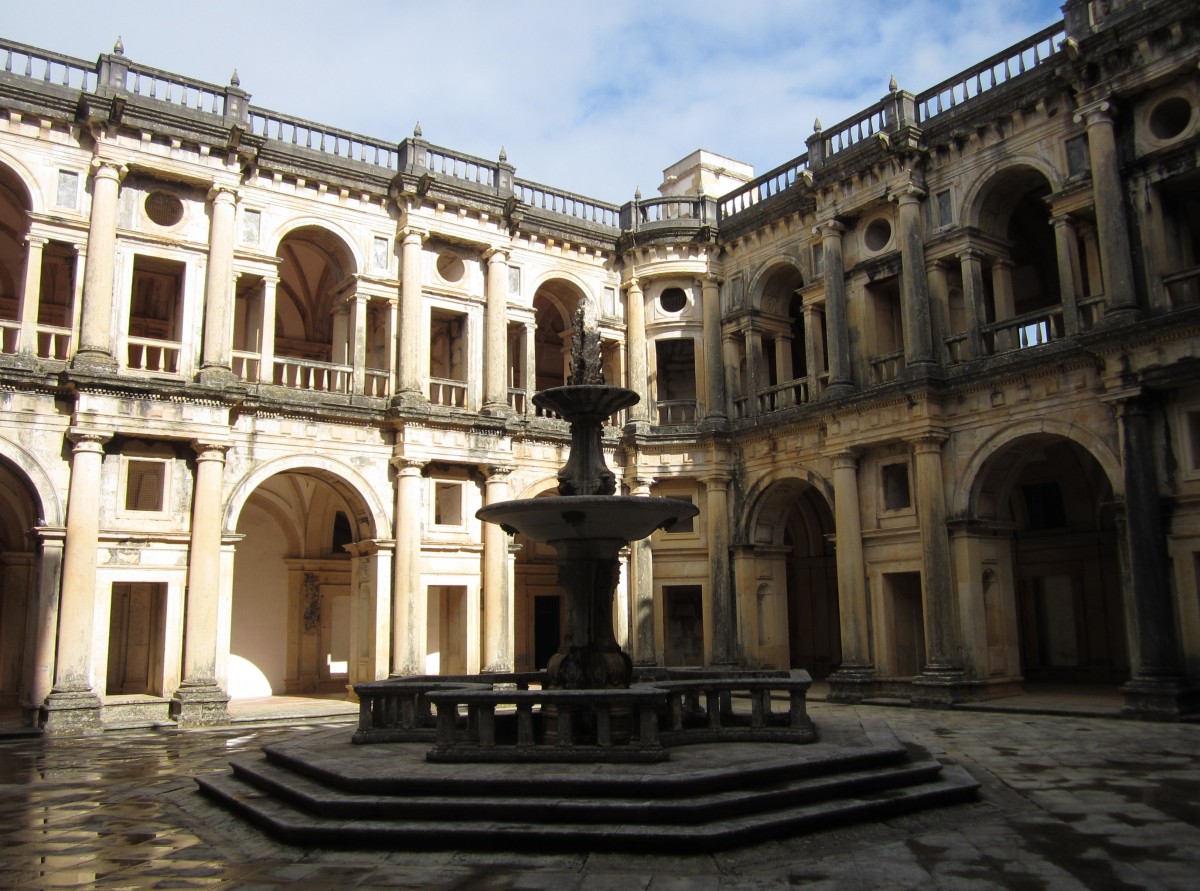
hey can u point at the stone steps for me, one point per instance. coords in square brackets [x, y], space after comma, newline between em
[322, 791]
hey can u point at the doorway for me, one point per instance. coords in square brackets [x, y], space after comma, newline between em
[135, 639]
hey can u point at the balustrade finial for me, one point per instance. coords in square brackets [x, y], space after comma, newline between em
[637, 194]
[503, 155]
[234, 80]
[119, 46]
[892, 85]
[417, 131]
[816, 125]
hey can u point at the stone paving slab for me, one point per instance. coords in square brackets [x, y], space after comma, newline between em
[1066, 803]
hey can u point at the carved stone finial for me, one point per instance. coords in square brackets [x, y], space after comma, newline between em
[892, 85]
[119, 47]
[637, 194]
[816, 125]
[585, 352]
[235, 81]
[417, 131]
[503, 155]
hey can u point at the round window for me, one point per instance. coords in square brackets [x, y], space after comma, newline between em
[878, 234]
[1170, 117]
[450, 267]
[163, 208]
[672, 299]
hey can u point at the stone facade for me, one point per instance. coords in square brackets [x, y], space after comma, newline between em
[934, 385]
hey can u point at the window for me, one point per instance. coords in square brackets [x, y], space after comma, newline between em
[945, 208]
[144, 485]
[896, 494]
[379, 253]
[251, 226]
[447, 504]
[163, 209]
[877, 235]
[450, 267]
[672, 300]
[1170, 117]
[1078, 161]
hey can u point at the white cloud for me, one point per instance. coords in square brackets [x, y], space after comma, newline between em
[596, 99]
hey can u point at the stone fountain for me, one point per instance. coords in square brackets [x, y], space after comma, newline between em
[588, 524]
[584, 755]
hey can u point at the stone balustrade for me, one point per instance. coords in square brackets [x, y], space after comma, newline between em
[855, 129]
[187, 92]
[52, 68]
[701, 707]
[569, 204]
[783, 395]
[770, 184]
[1021, 332]
[331, 140]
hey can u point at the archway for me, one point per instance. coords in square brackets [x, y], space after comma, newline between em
[1046, 568]
[554, 306]
[787, 580]
[296, 608]
[14, 223]
[19, 514]
[314, 269]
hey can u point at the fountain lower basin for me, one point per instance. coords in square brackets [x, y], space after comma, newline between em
[624, 518]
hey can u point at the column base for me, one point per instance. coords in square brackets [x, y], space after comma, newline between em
[200, 706]
[852, 684]
[94, 360]
[836, 391]
[71, 714]
[410, 399]
[938, 686]
[497, 410]
[217, 376]
[1117, 317]
[1159, 699]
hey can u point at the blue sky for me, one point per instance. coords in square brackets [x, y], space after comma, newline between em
[593, 98]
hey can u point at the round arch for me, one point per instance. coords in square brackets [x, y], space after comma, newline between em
[758, 495]
[344, 479]
[777, 269]
[977, 195]
[572, 281]
[347, 241]
[540, 487]
[45, 495]
[33, 195]
[964, 498]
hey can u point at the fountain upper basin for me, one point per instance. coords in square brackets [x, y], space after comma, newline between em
[622, 517]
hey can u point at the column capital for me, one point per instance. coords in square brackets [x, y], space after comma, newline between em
[716, 481]
[103, 168]
[1098, 112]
[223, 194]
[642, 483]
[929, 441]
[970, 253]
[1060, 220]
[87, 440]
[498, 472]
[847, 459]
[708, 279]
[497, 254]
[829, 229]
[409, 466]
[908, 194]
[207, 450]
[411, 235]
[635, 283]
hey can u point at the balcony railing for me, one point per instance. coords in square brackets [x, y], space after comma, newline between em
[654, 212]
[1183, 287]
[48, 67]
[154, 83]
[1006, 65]
[885, 369]
[306, 374]
[150, 354]
[958, 348]
[672, 412]
[854, 130]
[517, 400]
[783, 395]
[770, 184]
[10, 336]
[568, 204]
[452, 394]
[246, 366]
[377, 383]
[1023, 331]
[54, 342]
[332, 140]
[456, 165]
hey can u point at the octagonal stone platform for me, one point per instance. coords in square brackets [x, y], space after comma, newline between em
[321, 790]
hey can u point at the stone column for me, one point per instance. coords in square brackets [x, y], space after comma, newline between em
[266, 355]
[408, 594]
[495, 355]
[215, 365]
[30, 298]
[729, 349]
[755, 368]
[73, 706]
[498, 625]
[714, 369]
[972, 277]
[918, 338]
[1156, 689]
[850, 683]
[837, 322]
[641, 564]
[199, 700]
[1067, 249]
[943, 656]
[412, 310]
[635, 336]
[813, 349]
[42, 620]
[1115, 259]
[718, 611]
[95, 337]
[357, 359]
[530, 365]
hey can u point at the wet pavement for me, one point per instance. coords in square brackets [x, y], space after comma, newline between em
[1066, 803]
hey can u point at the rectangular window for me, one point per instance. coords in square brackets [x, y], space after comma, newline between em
[1078, 160]
[896, 494]
[379, 254]
[144, 485]
[683, 526]
[945, 208]
[447, 504]
[514, 280]
[1193, 435]
[68, 189]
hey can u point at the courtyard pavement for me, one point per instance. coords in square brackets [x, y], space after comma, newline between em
[1066, 803]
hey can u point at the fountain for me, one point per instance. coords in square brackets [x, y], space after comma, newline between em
[586, 754]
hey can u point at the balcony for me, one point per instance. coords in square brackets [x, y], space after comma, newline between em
[306, 374]
[153, 355]
[447, 393]
[676, 412]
